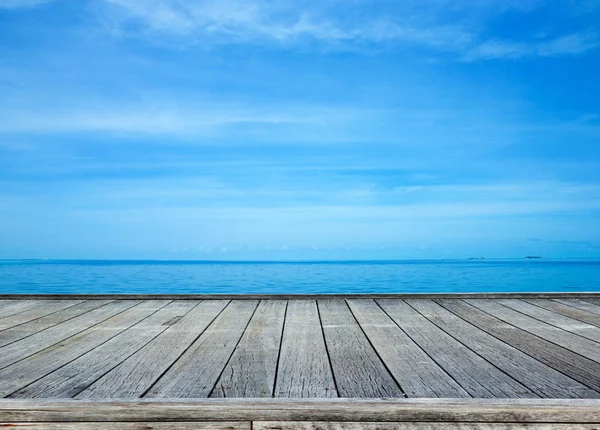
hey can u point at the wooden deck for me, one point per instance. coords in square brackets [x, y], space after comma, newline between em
[511, 350]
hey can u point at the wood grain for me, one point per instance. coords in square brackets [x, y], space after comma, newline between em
[349, 347]
[571, 325]
[565, 339]
[476, 375]
[370, 410]
[36, 366]
[580, 304]
[15, 307]
[304, 369]
[574, 365]
[251, 369]
[199, 368]
[137, 374]
[540, 378]
[22, 349]
[74, 377]
[325, 425]
[357, 370]
[25, 330]
[197, 425]
[415, 371]
[44, 308]
[566, 310]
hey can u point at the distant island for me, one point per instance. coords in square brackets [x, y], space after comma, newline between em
[530, 257]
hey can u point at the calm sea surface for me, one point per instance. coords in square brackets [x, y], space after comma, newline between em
[149, 277]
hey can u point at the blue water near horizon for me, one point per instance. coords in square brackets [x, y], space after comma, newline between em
[306, 277]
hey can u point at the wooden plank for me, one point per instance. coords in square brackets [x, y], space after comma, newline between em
[25, 330]
[357, 369]
[198, 425]
[566, 310]
[252, 367]
[23, 348]
[580, 304]
[304, 369]
[593, 300]
[25, 372]
[574, 295]
[476, 375]
[574, 365]
[45, 308]
[540, 378]
[74, 377]
[415, 371]
[135, 376]
[379, 410]
[577, 327]
[199, 368]
[5, 302]
[563, 338]
[326, 425]
[13, 308]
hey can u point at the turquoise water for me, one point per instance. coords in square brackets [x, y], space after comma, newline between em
[195, 277]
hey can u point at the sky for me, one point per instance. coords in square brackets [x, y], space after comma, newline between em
[286, 130]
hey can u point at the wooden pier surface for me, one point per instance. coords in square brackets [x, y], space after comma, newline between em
[84, 355]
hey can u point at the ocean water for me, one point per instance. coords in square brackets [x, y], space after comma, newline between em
[198, 277]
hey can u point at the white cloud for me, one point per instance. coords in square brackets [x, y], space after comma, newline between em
[566, 45]
[340, 25]
[229, 21]
[204, 119]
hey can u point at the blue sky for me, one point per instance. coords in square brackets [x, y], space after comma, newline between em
[254, 129]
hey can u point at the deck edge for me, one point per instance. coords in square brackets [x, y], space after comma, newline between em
[333, 410]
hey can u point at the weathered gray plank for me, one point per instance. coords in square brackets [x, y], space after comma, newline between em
[476, 375]
[25, 330]
[135, 376]
[328, 425]
[304, 369]
[198, 425]
[571, 325]
[357, 370]
[5, 302]
[565, 339]
[42, 363]
[415, 371]
[251, 369]
[197, 371]
[15, 307]
[80, 373]
[379, 410]
[46, 307]
[593, 300]
[540, 378]
[574, 365]
[23, 348]
[580, 304]
[566, 310]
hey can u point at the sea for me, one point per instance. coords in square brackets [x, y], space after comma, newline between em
[305, 277]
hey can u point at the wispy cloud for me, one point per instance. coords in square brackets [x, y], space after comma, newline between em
[231, 21]
[339, 25]
[179, 120]
[571, 44]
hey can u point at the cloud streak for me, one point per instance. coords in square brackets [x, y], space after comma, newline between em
[336, 26]
[572, 44]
